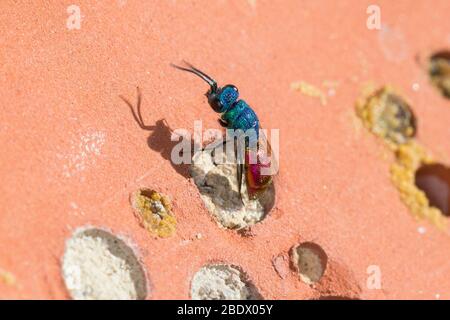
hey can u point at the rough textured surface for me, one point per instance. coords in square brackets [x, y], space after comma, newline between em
[97, 266]
[72, 152]
[219, 191]
[219, 282]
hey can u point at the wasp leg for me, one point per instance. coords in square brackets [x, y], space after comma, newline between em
[213, 153]
[240, 172]
[223, 123]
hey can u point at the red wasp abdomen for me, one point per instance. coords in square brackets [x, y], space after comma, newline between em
[257, 181]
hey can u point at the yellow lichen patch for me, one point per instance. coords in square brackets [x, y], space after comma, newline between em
[7, 277]
[154, 212]
[409, 158]
[309, 90]
[387, 115]
[439, 69]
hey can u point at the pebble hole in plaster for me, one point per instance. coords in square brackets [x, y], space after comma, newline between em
[222, 282]
[409, 158]
[388, 116]
[154, 212]
[439, 71]
[434, 181]
[218, 188]
[310, 261]
[97, 265]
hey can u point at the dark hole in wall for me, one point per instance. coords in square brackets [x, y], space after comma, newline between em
[434, 180]
[439, 70]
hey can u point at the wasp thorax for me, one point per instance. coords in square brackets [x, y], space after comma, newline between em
[223, 98]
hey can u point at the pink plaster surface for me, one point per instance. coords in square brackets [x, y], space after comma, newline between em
[71, 153]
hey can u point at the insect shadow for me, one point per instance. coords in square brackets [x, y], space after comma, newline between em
[160, 137]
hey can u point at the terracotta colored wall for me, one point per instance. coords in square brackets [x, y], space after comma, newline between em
[72, 153]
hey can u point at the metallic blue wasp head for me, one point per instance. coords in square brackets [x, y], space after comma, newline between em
[220, 99]
[223, 98]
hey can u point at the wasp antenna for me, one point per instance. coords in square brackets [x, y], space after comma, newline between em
[199, 73]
